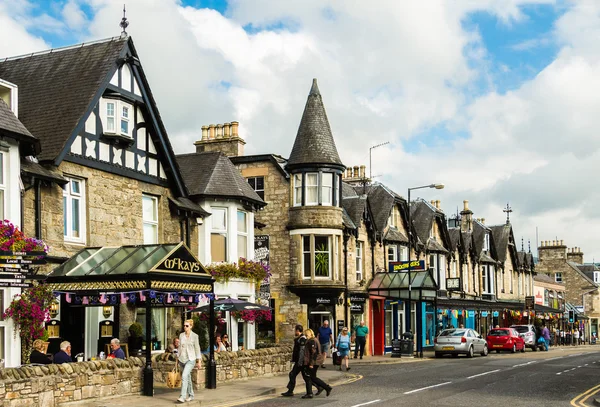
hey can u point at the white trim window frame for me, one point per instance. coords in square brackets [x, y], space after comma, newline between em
[298, 189]
[403, 254]
[442, 271]
[486, 242]
[150, 218]
[359, 260]
[74, 211]
[484, 277]
[558, 277]
[116, 117]
[465, 275]
[218, 234]
[596, 277]
[326, 188]
[242, 234]
[392, 253]
[258, 185]
[312, 189]
[392, 218]
[3, 184]
[317, 257]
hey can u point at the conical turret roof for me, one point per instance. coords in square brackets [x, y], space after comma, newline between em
[314, 143]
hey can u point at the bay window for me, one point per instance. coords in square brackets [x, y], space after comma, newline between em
[218, 235]
[326, 189]
[242, 234]
[297, 189]
[74, 210]
[316, 256]
[150, 219]
[312, 188]
[116, 117]
[316, 188]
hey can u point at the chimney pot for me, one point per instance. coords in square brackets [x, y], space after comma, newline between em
[349, 172]
[204, 132]
[219, 131]
[466, 205]
[483, 221]
[211, 131]
[362, 171]
[561, 242]
[437, 204]
[234, 129]
[356, 173]
[226, 130]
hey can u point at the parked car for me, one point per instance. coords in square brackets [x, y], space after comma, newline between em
[529, 335]
[505, 339]
[457, 341]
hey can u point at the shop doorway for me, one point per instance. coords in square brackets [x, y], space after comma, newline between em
[73, 317]
[319, 313]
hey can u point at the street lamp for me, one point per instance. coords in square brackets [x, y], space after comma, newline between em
[409, 301]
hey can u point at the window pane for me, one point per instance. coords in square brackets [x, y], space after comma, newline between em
[311, 194]
[125, 113]
[306, 255]
[218, 247]
[124, 127]
[150, 233]
[260, 183]
[298, 189]
[242, 223]
[242, 243]
[218, 218]
[150, 210]
[312, 179]
[110, 124]
[322, 256]
[75, 187]
[1, 204]
[2, 168]
[252, 182]
[110, 109]
[75, 217]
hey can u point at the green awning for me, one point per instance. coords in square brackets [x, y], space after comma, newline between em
[155, 267]
[395, 285]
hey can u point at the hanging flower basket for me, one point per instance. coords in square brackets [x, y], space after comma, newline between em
[244, 269]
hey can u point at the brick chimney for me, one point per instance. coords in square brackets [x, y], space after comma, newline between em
[221, 137]
[466, 218]
[575, 255]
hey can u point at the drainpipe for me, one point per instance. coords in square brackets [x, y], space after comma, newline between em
[38, 209]
[188, 233]
[346, 313]
[181, 233]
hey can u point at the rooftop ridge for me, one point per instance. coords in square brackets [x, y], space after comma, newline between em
[65, 48]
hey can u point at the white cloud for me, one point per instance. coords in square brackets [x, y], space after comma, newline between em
[73, 15]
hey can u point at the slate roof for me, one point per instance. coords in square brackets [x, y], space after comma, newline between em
[545, 278]
[381, 202]
[11, 127]
[187, 204]
[434, 246]
[355, 208]
[213, 174]
[347, 221]
[423, 215]
[454, 237]
[37, 170]
[501, 234]
[314, 143]
[575, 267]
[478, 235]
[57, 87]
[467, 238]
[394, 235]
[348, 191]
[588, 270]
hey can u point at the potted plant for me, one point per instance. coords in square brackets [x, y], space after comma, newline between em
[135, 337]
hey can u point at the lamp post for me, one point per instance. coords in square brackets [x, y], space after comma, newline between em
[410, 243]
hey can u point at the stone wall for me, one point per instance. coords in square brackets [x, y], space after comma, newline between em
[231, 366]
[51, 385]
[315, 217]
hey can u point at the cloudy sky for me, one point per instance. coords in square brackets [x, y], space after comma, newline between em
[493, 98]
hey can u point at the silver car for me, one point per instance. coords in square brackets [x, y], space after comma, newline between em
[455, 341]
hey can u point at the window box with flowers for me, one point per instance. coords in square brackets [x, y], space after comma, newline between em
[244, 269]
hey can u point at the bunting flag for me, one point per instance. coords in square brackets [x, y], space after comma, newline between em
[142, 296]
[85, 301]
[68, 298]
[123, 298]
[169, 298]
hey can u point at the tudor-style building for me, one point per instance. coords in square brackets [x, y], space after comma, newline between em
[16, 143]
[104, 135]
[228, 234]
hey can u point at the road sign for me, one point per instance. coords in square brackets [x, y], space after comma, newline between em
[11, 253]
[4, 276]
[13, 270]
[16, 284]
[22, 261]
[529, 302]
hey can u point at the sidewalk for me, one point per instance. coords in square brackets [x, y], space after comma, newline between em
[226, 394]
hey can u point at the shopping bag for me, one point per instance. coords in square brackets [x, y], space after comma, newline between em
[337, 360]
[174, 377]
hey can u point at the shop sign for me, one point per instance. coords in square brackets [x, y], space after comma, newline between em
[261, 253]
[484, 314]
[415, 265]
[471, 314]
[358, 298]
[15, 284]
[358, 308]
[495, 314]
[453, 284]
[529, 302]
[340, 325]
[11, 253]
[180, 261]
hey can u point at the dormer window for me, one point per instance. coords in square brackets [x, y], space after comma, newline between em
[116, 116]
[314, 188]
[486, 242]
[392, 219]
[596, 277]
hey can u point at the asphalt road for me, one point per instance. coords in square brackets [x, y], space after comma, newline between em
[528, 379]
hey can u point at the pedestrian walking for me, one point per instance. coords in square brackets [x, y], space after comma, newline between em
[313, 358]
[562, 337]
[360, 334]
[297, 359]
[546, 336]
[325, 336]
[190, 354]
[343, 346]
[576, 337]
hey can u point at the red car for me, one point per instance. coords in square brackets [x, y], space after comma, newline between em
[505, 339]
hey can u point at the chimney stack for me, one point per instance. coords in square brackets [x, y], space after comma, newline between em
[466, 218]
[575, 255]
[362, 171]
[437, 204]
[223, 138]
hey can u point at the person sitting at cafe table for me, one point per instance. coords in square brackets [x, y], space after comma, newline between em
[64, 355]
[219, 345]
[116, 352]
[37, 356]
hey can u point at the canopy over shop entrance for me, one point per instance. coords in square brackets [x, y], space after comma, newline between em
[159, 271]
[395, 285]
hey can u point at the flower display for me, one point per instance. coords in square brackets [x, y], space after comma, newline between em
[246, 269]
[252, 316]
[12, 239]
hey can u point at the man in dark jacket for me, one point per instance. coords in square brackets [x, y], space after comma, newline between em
[297, 359]
[64, 355]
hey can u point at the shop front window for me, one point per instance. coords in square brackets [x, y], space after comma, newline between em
[316, 256]
[389, 324]
[158, 332]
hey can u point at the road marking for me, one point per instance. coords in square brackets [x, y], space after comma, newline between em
[560, 357]
[483, 374]
[525, 364]
[367, 403]
[428, 387]
[584, 396]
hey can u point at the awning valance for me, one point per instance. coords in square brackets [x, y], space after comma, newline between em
[395, 285]
[161, 267]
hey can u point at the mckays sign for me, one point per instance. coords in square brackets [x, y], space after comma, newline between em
[415, 265]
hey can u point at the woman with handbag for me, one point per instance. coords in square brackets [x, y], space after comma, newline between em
[313, 358]
[343, 346]
[190, 355]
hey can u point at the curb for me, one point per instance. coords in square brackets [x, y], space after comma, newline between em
[597, 402]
